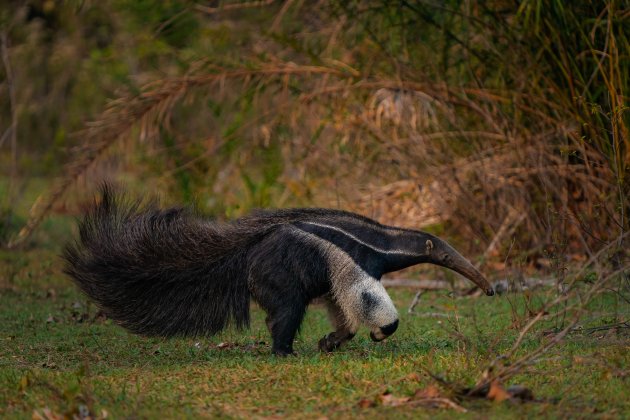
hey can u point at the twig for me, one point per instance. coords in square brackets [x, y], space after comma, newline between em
[524, 331]
[4, 39]
[232, 6]
[624, 324]
[415, 301]
[281, 13]
[170, 20]
[440, 402]
[509, 225]
[430, 314]
[419, 284]
[460, 285]
[6, 135]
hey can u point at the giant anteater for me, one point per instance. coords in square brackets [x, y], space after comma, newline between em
[169, 272]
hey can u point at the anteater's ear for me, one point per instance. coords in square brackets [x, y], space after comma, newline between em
[429, 245]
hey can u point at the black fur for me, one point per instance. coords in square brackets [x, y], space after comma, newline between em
[170, 272]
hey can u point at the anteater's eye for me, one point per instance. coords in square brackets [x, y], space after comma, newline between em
[446, 258]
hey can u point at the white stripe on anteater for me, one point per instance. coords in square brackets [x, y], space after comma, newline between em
[354, 238]
[359, 222]
[362, 298]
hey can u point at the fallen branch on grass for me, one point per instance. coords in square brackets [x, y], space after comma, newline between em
[503, 285]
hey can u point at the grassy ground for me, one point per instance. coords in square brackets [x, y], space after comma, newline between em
[59, 357]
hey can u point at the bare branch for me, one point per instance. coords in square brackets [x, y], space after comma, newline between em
[232, 6]
[4, 40]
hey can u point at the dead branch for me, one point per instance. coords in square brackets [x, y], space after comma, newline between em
[10, 80]
[232, 6]
[437, 402]
[415, 301]
[418, 284]
[509, 225]
[462, 285]
[276, 22]
[622, 325]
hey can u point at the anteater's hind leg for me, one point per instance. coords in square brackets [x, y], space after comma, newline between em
[285, 273]
[344, 329]
[285, 309]
[284, 323]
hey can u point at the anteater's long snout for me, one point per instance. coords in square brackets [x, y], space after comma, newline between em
[466, 269]
[446, 256]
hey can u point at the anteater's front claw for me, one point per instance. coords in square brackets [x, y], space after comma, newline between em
[327, 344]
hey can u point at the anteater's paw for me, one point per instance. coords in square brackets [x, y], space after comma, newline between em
[283, 353]
[328, 344]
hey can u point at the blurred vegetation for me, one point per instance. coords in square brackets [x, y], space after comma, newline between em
[503, 124]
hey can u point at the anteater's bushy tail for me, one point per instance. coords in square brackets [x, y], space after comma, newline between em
[162, 272]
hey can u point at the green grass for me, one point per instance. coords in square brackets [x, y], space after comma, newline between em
[57, 355]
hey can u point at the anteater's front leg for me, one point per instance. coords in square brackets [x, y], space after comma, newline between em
[344, 331]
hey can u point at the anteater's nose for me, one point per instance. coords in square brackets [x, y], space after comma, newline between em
[390, 328]
[384, 332]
